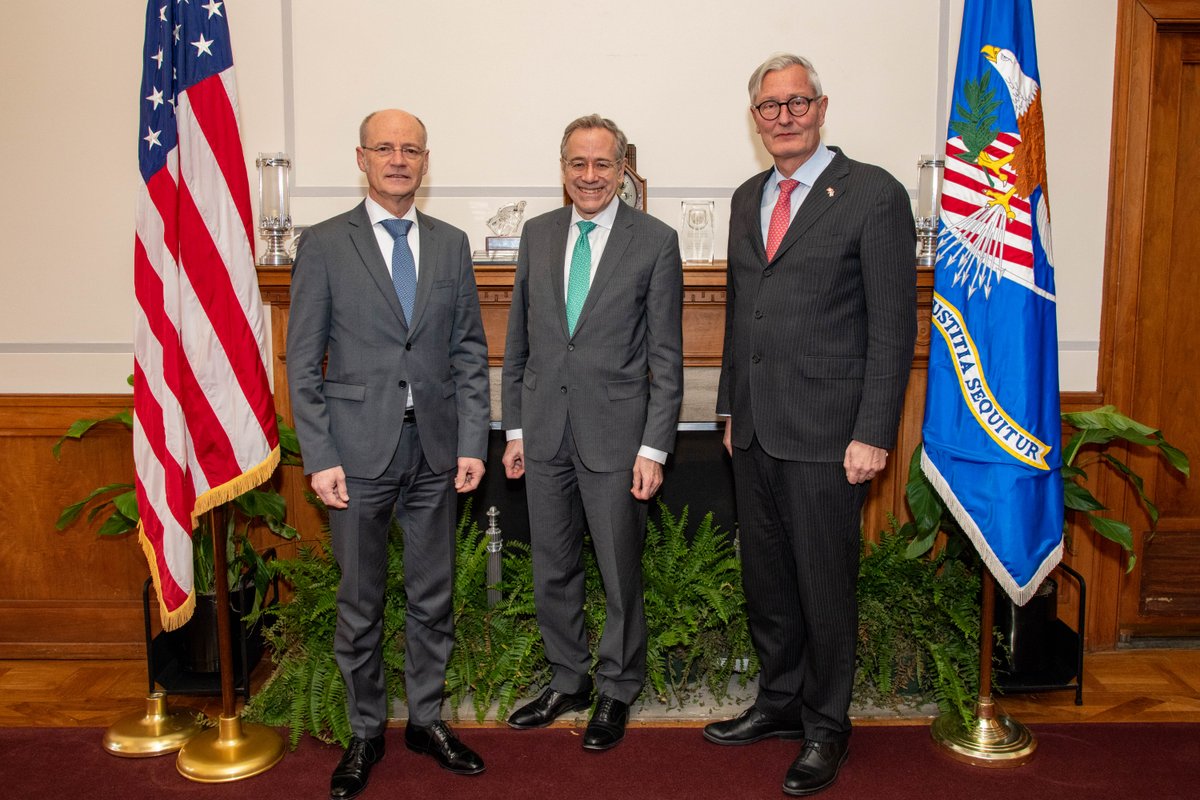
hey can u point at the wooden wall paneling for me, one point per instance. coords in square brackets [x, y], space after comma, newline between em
[70, 593]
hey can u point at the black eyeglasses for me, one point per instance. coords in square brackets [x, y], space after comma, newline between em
[798, 106]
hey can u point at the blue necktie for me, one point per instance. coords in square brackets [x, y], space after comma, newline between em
[580, 277]
[404, 267]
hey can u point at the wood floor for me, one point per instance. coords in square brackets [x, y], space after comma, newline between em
[1119, 686]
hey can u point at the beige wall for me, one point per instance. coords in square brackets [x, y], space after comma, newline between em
[672, 74]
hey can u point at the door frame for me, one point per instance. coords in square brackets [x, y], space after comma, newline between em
[1143, 30]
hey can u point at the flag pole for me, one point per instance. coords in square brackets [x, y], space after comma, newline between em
[994, 739]
[233, 750]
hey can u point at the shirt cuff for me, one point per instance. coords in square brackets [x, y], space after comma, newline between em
[652, 454]
[515, 433]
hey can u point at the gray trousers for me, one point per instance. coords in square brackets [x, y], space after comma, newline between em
[566, 500]
[424, 504]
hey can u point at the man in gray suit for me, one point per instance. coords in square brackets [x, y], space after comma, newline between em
[593, 379]
[819, 333]
[396, 423]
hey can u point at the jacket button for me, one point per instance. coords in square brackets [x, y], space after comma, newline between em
[562, 389]
[755, 358]
[768, 273]
[758, 313]
[408, 345]
[571, 348]
[403, 384]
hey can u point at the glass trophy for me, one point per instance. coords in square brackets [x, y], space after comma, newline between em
[698, 234]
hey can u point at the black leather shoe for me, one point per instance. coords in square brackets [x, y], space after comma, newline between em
[607, 726]
[350, 775]
[816, 768]
[439, 741]
[549, 706]
[751, 726]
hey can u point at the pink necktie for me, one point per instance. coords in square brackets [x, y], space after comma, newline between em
[781, 216]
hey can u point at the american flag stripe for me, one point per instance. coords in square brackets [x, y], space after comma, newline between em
[204, 421]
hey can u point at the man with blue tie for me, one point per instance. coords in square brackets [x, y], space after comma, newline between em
[592, 384]
[395, 424]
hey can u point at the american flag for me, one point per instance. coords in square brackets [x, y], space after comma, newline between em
[204, 420]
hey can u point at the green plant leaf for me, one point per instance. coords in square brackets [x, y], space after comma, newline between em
[1113, 530]
[1078, 498]
[72, 512]
[116, 525]
[80, 427]
[926, 506]
[127, 504]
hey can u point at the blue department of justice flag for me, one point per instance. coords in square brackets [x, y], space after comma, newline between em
[992, 427]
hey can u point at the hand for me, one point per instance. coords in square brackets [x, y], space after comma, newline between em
[514, 458]
[863, 462]
[470, 472]
[647, 477]
[728, 440]
[330, 486]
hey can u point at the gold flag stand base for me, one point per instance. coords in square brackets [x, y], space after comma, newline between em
[995, 740]
[155, 733]
[230, 752]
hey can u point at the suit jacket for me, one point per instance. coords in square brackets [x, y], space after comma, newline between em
[344, 305]
[620, 377]
[819, 342]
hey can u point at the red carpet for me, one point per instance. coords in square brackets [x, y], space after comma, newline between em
[895, 763]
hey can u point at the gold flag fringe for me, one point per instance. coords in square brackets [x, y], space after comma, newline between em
[214, 497]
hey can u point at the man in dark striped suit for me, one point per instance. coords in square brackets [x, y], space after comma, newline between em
[819, 333]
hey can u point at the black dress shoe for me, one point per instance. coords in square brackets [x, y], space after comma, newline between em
[439, 741]
[549, 706]
[751, 726]
[607, 726]
[350, 775]
[816, 768]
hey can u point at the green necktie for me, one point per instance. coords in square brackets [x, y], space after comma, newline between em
[581, 274]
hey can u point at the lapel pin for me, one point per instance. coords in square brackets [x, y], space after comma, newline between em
[829, 191]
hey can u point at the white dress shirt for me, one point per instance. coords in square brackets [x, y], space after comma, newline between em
[377, 214]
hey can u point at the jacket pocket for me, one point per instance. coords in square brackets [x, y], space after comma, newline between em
[630, 387]
[345, 391]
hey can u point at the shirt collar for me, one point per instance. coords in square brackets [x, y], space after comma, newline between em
[604, 219]
[377, 213]
[807, 173]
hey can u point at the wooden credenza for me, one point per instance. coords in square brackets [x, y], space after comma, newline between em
[703, 334]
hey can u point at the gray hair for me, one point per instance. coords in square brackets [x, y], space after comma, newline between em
[783, 61]
[593, 121]
[362, 127]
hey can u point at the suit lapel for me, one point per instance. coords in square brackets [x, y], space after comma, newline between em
[752, 218]
[614, 250]
[556, 247]
[363, 238]
[427, 273]
[825, 192]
